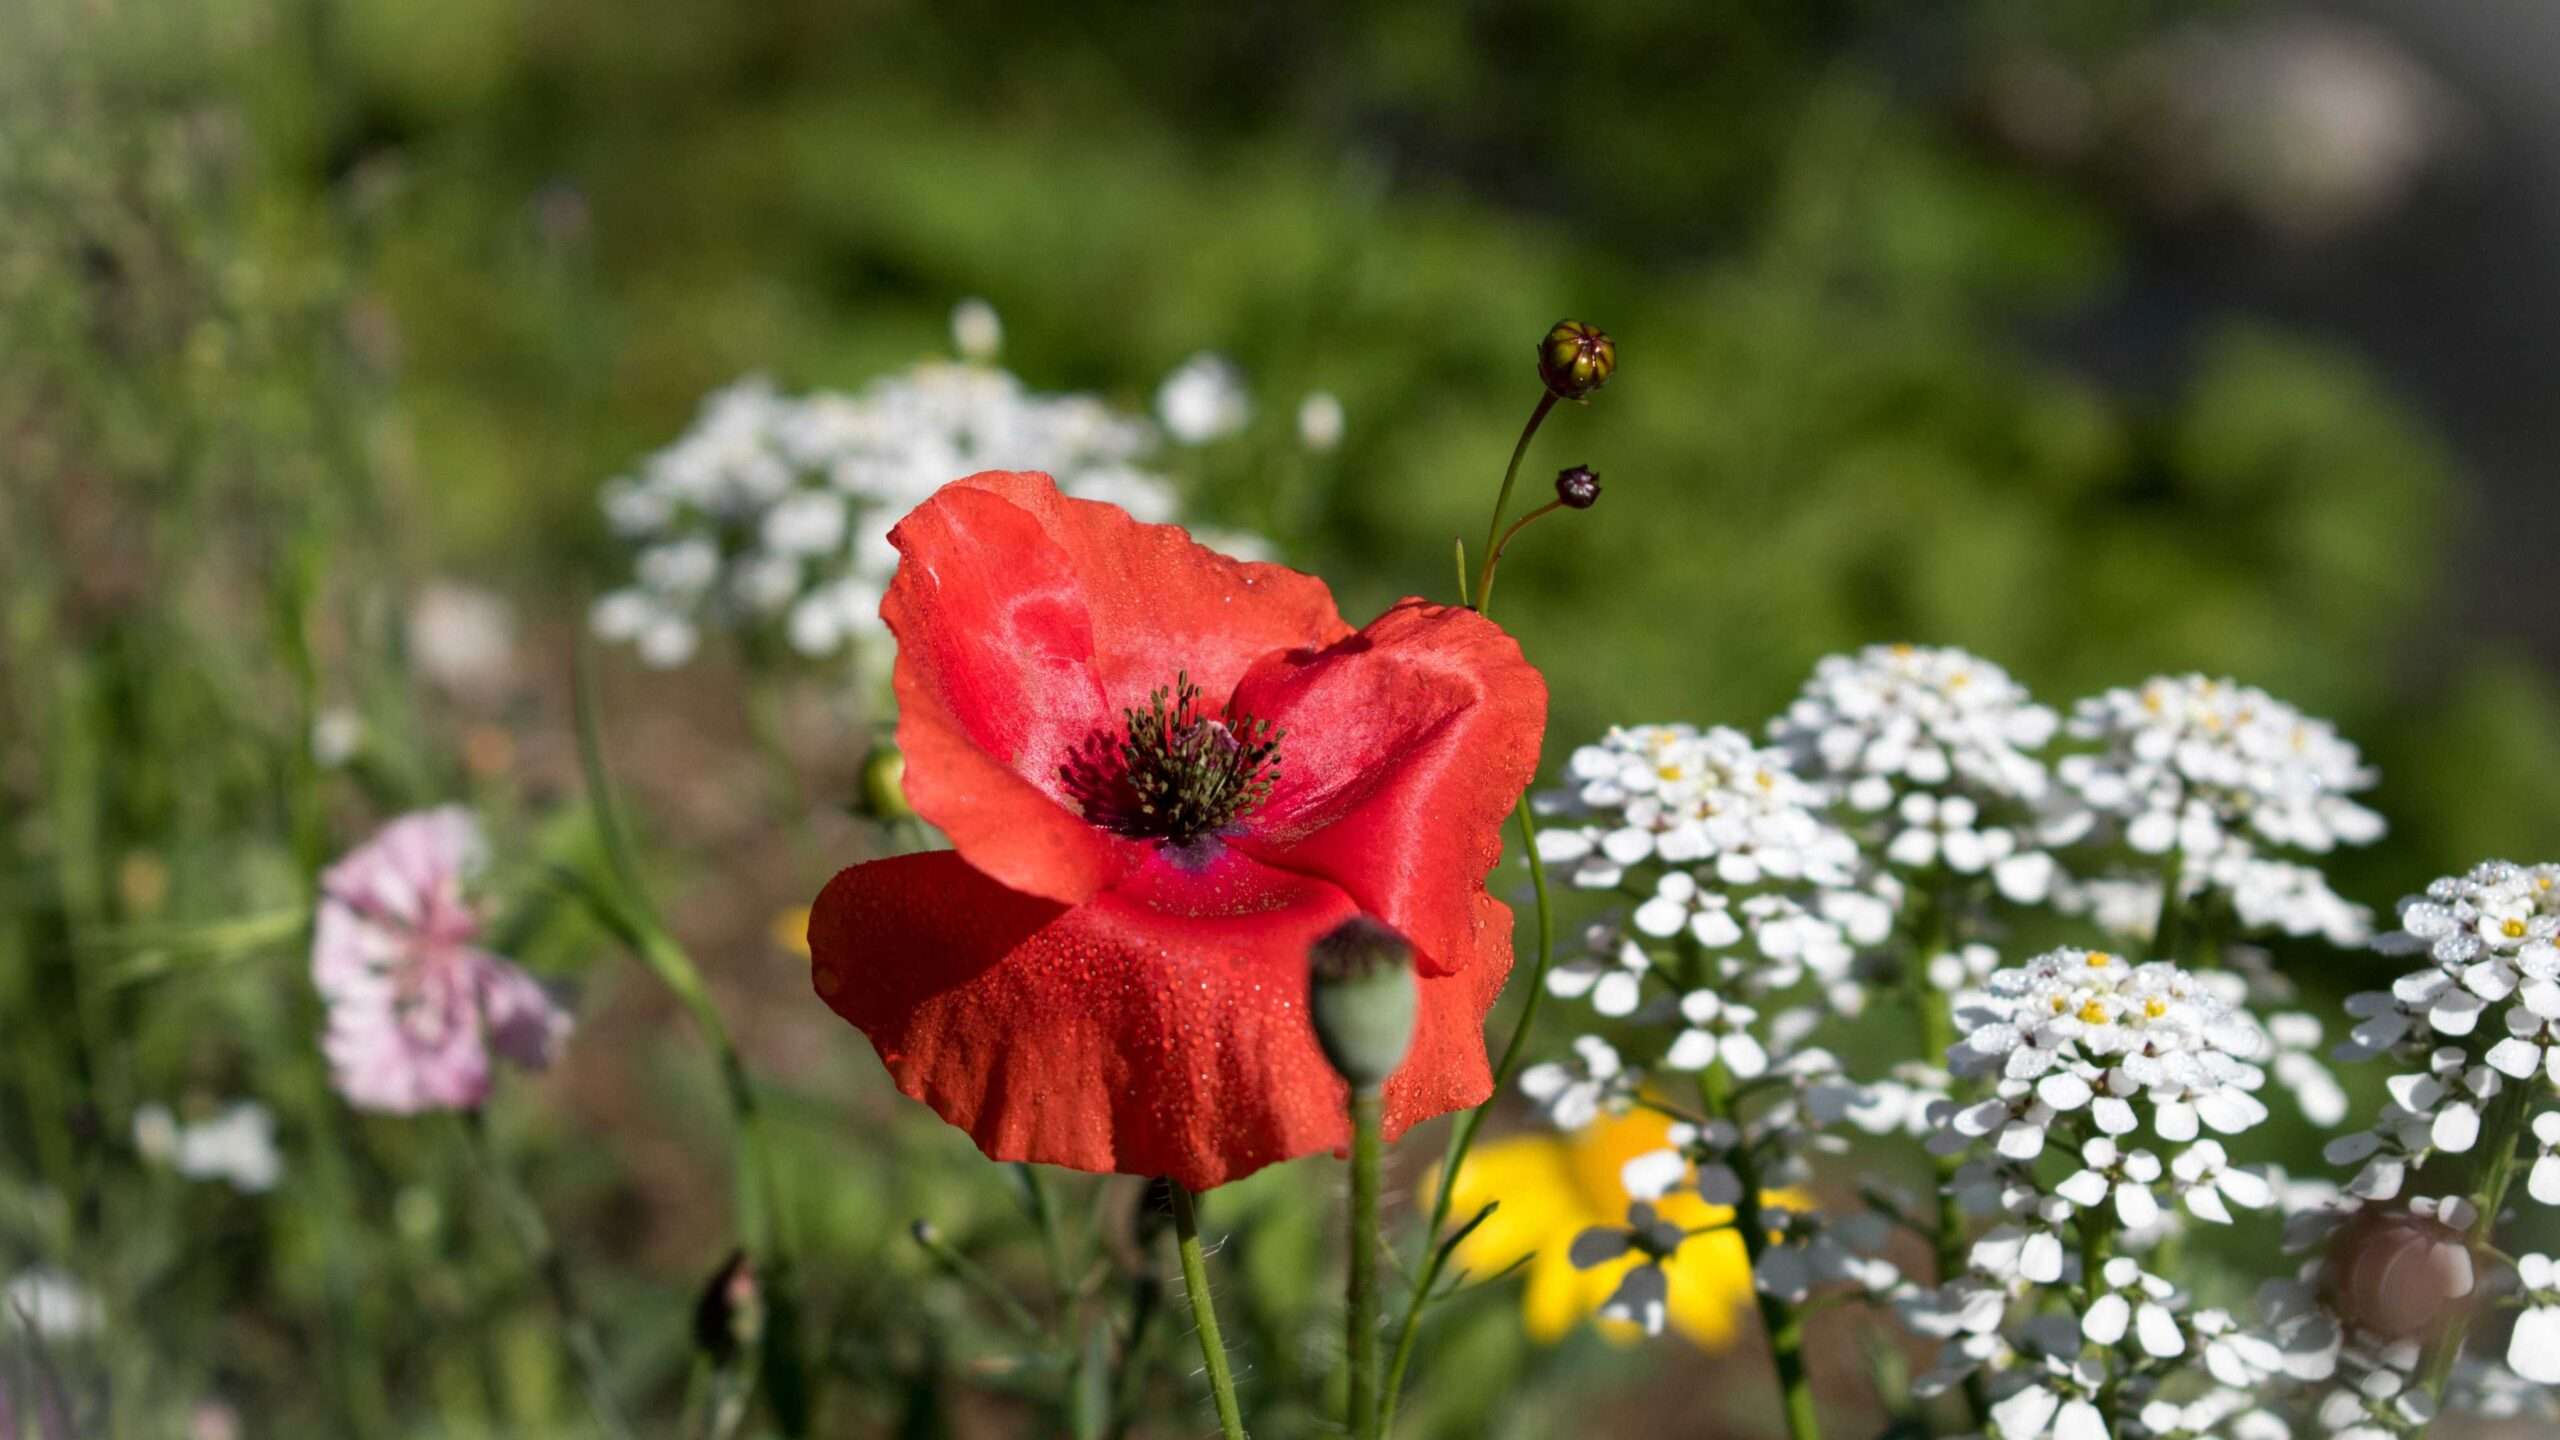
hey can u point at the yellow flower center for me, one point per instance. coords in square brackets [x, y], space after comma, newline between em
[2514, 929]
[2155, 1007]
[2093, 1013]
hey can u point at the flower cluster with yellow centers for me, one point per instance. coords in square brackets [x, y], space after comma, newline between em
[1718, 847]
[1555, 1188]
[2084, 1050]
[1931, 754]
[2217, 773]
[2075, 1029]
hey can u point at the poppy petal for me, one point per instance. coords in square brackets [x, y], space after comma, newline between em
[1406, 747]
[1026, 622]
[1116, 1036]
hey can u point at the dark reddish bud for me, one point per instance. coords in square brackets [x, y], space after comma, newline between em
[1576, 359]
[729, 1318]
[1578, 488]
[2399, 1275]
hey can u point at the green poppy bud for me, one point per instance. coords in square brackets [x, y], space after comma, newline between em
[1576, 359]
[1362, 997]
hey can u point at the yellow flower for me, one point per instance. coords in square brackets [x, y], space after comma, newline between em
[1552, 1188]
[791, 930]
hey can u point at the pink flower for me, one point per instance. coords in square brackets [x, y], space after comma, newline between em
[415, 1006]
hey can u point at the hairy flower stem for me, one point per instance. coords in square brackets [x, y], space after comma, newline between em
[1782, 1320]
[1493, 536]
[1204, 1313]
[1366, 1143]
[577, 1329]
[2493, 1172]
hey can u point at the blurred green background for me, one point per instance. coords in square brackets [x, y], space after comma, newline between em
[2101, 339]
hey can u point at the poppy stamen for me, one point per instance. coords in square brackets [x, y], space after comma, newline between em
[1178, 773]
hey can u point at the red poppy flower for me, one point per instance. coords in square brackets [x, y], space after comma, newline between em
[1166, 773]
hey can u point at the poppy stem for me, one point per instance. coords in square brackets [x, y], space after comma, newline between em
[1502, 498]
[1366, 1143]
[1204, 1312]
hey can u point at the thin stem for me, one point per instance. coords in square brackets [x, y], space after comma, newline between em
[1502, 499]
[535, 1236]
[1044, 1217]
[1463, 1136]
[1937, 1038]
[763, 1220]
[1463, 597]
[1484, 593]
[1366, 1142]
[2164, 929]
[973, 1275]
[2493, 1172]
[1782, 1320]
[1204, 1313]
[1146, 1295]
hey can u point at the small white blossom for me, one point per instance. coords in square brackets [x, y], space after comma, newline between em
[2533, 1351]
[236, 1145]
[1320, 422]
[1203, 400]
[1572, 1093]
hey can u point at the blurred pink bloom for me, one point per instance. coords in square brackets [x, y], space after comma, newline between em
[414, 1006]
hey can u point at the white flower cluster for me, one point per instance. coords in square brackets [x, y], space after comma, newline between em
[2125, 1067]
[2491, 942]
[1724, 1160]
[2215, 772]
[237, 1145]
[770, 516]
[1716, 842]
[2475, 1021]
[1937, 745]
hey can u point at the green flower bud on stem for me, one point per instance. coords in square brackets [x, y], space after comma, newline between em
[1576, 359]
[1362, 997]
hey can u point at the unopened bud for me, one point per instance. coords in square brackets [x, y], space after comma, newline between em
[729, 1318]
[1576, 359]
[1362, 998]
[1578, 488]
[884, 783]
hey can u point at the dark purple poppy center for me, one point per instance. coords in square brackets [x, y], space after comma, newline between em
[1176, 773]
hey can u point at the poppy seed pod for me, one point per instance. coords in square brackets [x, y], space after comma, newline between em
[1578, 487]
[1576, 359]
[1362, 999]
